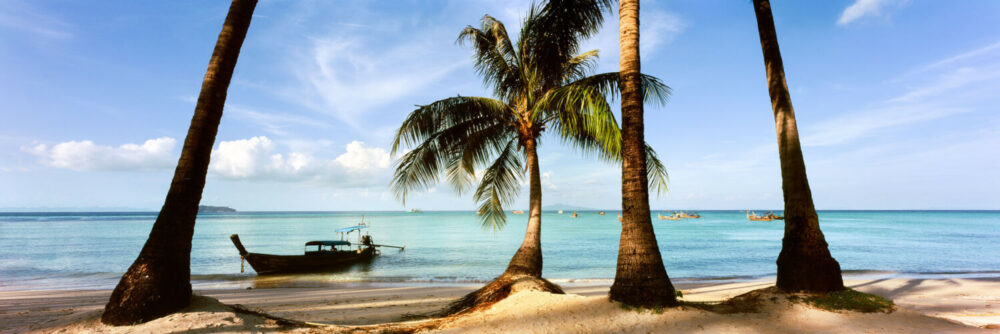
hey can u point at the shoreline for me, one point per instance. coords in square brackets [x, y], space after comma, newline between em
[972, 302]
[243, 281]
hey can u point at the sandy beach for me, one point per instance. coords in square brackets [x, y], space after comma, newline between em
[924, 305]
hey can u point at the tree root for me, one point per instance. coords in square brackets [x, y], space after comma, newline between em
[497, 290]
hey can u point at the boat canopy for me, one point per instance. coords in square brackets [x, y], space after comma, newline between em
[351, 229]
[328, 243]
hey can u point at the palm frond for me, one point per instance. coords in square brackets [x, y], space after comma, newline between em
[582, 117]
[538, 80]
[656, 172]
[429, 119]
[418, 169]
[475, 150]
[458, 150]
[558, 29]
[580, 66]
[455, 135]
[499, 186]
[495, 57]
[609, 84]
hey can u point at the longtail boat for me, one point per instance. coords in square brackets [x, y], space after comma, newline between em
[328, 255]
[753, 216]
[672, 217]
[683, 214]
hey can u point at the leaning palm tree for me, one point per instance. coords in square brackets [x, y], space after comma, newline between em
[640, 278]
[159, 281]
[540, 83]
[805, 263]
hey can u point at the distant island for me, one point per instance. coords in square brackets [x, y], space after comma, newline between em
[215, 209]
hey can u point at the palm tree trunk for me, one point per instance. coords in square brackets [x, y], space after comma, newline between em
[158, 282]
[528, 259]
[805, 263]
[640, 279]
[525, 269]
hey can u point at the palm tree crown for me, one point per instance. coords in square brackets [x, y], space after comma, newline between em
[540, 83]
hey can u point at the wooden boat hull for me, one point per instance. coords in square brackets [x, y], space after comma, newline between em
[266, 264]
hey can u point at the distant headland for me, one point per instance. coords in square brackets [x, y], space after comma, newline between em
[215, 209]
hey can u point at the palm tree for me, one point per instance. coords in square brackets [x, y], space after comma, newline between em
[540, 83]
[159, 281]
[640, 278]
[805, 263]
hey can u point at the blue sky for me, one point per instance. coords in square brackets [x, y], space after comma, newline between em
[897, 102]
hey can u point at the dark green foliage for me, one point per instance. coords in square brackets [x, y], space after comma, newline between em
[851, 300]
[540, 82]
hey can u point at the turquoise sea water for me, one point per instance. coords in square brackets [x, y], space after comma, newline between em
[92, 250]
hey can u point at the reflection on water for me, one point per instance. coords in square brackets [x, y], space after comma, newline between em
[311, 279]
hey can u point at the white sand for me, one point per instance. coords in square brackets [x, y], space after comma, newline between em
[926, 305]
[537, 312]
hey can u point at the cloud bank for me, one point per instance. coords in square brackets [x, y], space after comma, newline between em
[84, 155]
[257, 159]
[252, 159]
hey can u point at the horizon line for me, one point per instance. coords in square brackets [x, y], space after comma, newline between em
[2, 211]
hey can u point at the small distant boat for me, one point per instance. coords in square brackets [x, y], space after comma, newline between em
[329, 255]
[683, 214]
[601, 213]
[415, 210]
[560, 212]
[769, 216]
[671, 217]
[574, 214]
[518, 212]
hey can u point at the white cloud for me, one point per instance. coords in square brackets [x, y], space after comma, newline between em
[983, 53]
[273, 123]
[257, 159]
[359, 158]
[20, 15]
[86, 156]
[949, 83]
[547, 181]
[862, 8]
[657, 28]
[953, 89]
[858, 125]
[348, 77]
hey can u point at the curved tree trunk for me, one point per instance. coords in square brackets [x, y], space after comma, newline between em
[805, 263]
[528, 259]
[158, 282]
[640, 278]
[525, 269]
